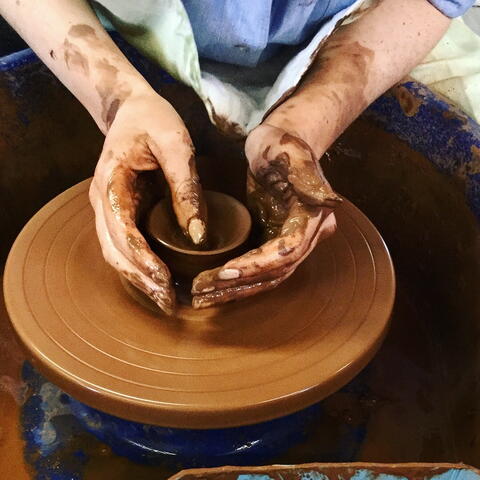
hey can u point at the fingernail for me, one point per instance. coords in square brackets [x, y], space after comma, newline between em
[196, 230]
[208, 289]
[228, 274]
[165, 303]
[333, 197]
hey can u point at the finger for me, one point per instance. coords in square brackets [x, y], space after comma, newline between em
[258, 265]
[120, 204]
[210, 280]
[163, 295]
[217, 297]
[230, 291]
[115, 181]
[178, 164]
[263, 269]
[270, 259]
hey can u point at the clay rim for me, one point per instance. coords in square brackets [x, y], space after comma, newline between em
[243, 212]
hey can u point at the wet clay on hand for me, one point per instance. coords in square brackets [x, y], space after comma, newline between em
[147, 135]
[293, 202]
[86, 53]
[332, 93]
[287, 189]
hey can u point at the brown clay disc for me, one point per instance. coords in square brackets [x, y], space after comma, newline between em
[241, 363]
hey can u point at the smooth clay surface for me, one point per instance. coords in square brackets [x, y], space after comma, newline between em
[229, 225]
[245, 362]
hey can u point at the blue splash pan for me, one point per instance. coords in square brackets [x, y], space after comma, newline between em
[427, 123]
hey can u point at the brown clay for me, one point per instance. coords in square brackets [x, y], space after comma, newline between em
[265, 357]
[411, 471]
[229, 225]
[74, 59]
[410, 103]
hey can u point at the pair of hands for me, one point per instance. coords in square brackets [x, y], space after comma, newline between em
[285, 186]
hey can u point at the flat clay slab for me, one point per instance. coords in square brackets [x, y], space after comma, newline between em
[238, 364]
[336, 471]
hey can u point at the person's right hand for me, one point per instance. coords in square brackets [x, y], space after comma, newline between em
[146, 134]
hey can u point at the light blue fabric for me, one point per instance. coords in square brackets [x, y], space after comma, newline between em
[244, 80]
[248, 32]
[452, 8]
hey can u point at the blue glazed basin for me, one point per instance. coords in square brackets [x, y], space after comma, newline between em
[181, 448]
[430, 125]
[434, 127]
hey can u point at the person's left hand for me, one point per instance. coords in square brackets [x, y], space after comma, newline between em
[294, 202]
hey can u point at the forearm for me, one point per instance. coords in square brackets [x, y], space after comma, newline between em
[357, 64]
[70, 40]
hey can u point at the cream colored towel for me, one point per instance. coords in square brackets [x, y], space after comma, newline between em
[453, 67]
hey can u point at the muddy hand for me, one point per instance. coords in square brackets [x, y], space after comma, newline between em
[293, 201]
[146, 134]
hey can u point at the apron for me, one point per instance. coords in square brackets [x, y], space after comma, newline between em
[237, 98]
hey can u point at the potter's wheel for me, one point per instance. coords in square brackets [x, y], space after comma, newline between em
[243, 363]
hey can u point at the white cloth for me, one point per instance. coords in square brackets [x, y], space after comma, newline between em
[453, 67]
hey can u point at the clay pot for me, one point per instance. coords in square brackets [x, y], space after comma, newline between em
[229, 225]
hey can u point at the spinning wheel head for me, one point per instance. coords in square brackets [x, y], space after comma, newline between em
[238, 364]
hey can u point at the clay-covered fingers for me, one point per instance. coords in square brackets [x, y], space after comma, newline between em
[177, 160]
[114, 199]
[160, 294]
[227, 294]
[286, 166]
[294, 202]
[266, 267]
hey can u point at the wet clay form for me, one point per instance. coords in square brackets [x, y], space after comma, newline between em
[229, 225]
[239, 364]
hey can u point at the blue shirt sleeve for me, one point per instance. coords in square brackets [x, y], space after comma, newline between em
[452, 8]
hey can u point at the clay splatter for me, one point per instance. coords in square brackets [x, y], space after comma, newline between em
[74, 59]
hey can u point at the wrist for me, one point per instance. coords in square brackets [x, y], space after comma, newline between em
[114, 95]
[313, 122]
